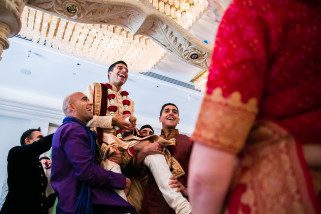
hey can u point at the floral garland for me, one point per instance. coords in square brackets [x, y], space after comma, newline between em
[112, 108]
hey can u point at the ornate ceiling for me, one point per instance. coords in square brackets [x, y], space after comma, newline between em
[137, 20]
[137, 31]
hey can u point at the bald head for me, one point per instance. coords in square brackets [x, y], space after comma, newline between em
[79, 106]
[69, 100]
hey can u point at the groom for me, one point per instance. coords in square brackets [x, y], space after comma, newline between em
[113, 115]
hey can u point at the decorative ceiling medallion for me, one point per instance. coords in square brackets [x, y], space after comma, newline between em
[194, 56]
[103, 44]
[71, 8]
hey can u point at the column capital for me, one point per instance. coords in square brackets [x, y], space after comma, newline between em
[10, 23]
[4, 32]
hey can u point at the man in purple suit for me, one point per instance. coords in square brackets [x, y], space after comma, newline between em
[81, 184]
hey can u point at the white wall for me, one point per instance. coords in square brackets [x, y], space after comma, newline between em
[15, 118]
[10, 132]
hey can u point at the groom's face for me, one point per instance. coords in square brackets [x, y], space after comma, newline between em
[118, 76]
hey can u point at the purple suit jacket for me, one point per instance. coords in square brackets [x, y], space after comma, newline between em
[72, 162]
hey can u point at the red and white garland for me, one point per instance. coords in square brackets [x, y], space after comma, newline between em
[112, 108]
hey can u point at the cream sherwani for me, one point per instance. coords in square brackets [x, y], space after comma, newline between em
[105, 122]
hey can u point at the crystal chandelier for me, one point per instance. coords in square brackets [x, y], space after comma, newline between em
[185, 12]
[103, 44]
[200, 80]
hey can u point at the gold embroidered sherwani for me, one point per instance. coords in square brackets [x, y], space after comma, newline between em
[105, 121]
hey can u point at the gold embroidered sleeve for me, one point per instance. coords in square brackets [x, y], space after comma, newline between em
[132, 107]
[224, 123]
[97, 121]
[101, 122]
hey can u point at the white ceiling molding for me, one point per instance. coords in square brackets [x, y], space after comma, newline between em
[30, 106]
[28, 111]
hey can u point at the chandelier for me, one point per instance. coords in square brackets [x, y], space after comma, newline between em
[185, 12]
[103, 44]
[200, 80]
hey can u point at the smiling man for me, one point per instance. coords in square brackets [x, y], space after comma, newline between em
[112, 115]
[154, 200]
[81, 184]
[112, 112]
[112, 107]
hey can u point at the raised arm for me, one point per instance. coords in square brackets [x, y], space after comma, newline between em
[36, 148]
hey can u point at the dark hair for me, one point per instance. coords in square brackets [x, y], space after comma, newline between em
[44, 157]
[167, 104]
[147, 126]
[27, 134]
[112, 66]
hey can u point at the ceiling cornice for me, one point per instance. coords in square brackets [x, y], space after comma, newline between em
[18, 109]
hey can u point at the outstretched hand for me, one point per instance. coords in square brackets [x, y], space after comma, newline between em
[153, 148]
[174, 183]
[122, 123]
[149, 149]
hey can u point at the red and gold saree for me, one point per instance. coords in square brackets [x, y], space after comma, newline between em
[263, 102]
